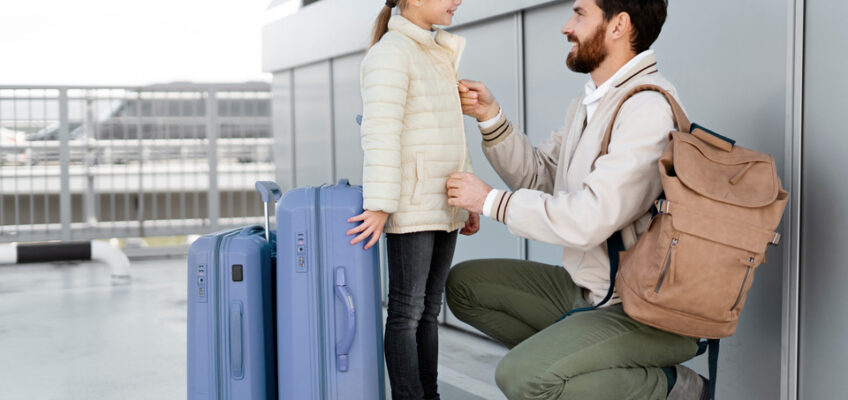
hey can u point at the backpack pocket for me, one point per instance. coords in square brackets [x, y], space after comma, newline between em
[702, 273]
[695, 265]
[669, 261]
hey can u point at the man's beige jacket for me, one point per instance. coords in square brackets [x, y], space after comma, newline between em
[567, 196]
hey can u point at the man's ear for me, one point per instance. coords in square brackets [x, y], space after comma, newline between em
[620, 26]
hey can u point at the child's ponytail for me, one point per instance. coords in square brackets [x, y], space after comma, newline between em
[381, 25]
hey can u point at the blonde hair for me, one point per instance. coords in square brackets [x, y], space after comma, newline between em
[381, 25]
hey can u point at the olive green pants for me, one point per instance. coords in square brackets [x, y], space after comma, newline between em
[601, 354]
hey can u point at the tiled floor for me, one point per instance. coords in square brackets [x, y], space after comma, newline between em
[67, 333]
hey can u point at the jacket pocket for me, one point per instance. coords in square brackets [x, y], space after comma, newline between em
[419, 179]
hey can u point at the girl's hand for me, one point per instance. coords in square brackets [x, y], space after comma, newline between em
[372, 225]
[472, 225]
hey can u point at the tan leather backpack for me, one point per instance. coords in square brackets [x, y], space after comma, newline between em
[690, 271]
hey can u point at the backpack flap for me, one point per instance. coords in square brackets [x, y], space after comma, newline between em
[726, 232]
[739, 177]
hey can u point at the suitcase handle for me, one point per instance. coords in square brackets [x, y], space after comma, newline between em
[343, 346]
[269, 192]
[267, 189]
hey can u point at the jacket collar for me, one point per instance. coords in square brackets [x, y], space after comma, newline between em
[647, 65]
[454, 44]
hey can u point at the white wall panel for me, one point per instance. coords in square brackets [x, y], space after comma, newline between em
[824, 217]
[347, 103]
[313, 141]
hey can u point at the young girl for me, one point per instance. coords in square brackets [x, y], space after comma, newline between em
[413, 138]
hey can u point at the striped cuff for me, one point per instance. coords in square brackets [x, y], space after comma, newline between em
[500, 205]
[490, 123]
[497, 133]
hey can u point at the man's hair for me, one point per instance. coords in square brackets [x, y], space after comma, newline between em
[646, 16]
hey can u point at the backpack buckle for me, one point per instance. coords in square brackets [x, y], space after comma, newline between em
[776, 240]
[663, 206]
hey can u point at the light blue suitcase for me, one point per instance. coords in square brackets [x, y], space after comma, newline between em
[230, 312]
[329, 319]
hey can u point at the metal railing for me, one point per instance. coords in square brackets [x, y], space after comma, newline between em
[103, 162]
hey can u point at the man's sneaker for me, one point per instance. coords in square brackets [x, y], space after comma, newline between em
[689, 385]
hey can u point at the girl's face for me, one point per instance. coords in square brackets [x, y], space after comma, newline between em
[436, 12]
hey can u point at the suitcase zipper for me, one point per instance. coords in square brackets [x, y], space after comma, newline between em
[741, 289]
[667, 264]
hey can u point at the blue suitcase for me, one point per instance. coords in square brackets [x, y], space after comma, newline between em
[230, 312]
[329, 319]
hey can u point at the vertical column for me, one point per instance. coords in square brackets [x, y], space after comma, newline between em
[523, 244]
[139, 135]
[213, 199]
[792, 220]
[332, 110]
[64, 162]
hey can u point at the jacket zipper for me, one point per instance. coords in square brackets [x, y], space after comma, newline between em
[741, 289]
[667, 265]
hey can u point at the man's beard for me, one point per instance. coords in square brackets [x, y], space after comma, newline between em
[590, 53]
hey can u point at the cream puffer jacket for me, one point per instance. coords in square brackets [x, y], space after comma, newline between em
[412, 128]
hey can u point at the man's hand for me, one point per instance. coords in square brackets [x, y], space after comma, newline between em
[372, 225]
[472, 225]
[477, 101]
[467, 191]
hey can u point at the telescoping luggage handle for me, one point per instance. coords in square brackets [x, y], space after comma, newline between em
[270, 192]
[343, 346]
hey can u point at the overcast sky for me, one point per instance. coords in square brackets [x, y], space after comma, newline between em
[120, 42]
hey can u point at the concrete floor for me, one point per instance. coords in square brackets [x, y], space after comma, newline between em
[67, 333]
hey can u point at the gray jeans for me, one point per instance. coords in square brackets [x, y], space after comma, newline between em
[418, 267]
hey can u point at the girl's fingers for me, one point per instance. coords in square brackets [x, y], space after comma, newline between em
[358, 229]
[360, 217]
[374, 239]
[362, 236]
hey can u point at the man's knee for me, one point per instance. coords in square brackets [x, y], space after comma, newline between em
[459, 289]
[518, 377]
[507, 376]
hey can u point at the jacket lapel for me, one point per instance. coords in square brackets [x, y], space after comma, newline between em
[645, 67]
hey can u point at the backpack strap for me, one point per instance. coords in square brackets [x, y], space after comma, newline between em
[680, 118]
[615, 245]
[712, 362]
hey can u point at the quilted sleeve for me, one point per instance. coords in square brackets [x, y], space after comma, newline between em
[384, 81]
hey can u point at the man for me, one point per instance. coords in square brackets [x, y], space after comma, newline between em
[566, 194]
